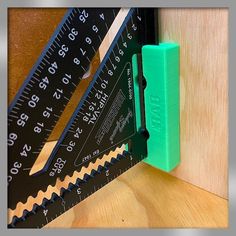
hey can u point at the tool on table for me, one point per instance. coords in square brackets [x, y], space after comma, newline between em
[133, 99]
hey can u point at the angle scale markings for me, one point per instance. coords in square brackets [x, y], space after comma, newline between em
[34, 90]
[64, 157]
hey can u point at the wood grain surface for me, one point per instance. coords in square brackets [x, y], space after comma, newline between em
[144, 196]
[203, 38]
[28, 32]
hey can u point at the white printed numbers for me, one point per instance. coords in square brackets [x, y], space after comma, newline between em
[95, 28]
[84, 15]
[114, 67]
[63, 50]
[96, 152]
[22, 120]
[47, 112]
[88, 40]
[9, 178]
[79, 191]
[86, 158]
[45, 212]
[98, 95]
[104, 84]
[26, 149]
[91, 118]
[44, 83]
[76, 61]
[78, 132]
[53, 68]
[66, 79]
[12, 137]
[33, 101]
[14, 170]
[72, 35]
[69, 148]
[82, 51]
[134, 27]
[129, 36]
[117, 59]
[57, 167]
[38, 127]
[57, 94]
[121, 52]
[110, 72]
[102, 16]
[92, 107]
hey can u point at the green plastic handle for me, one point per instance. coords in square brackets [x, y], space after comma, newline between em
[161, 97]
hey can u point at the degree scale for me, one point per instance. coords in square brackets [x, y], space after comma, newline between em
[133, 99]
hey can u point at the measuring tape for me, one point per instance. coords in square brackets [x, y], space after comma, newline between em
[132, 99]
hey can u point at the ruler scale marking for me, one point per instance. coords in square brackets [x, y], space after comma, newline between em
[37, 98]
[108, 90]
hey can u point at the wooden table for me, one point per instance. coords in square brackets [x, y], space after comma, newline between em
[146, 197]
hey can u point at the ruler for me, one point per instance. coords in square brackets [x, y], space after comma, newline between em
[104, 119]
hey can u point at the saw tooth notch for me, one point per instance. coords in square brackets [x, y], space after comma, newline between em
[54, 197]
[114, 160]
[121, 156]
[87, 177]
[35, 208]
[100, 169]
[15, 220]
[72, 183]
[94, 173]
[71, 186]
[26, 214]
[62, 191]
[107, 165]
[45, 202]
[69, 175]
[78, 182]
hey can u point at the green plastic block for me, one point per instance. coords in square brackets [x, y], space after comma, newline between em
[161, 96]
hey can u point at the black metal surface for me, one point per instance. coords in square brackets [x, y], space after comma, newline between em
[77, 148]
[148, 32]
[103, 120]
[40, 102]
[77, 192]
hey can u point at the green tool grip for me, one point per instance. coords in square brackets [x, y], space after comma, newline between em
[161, 98]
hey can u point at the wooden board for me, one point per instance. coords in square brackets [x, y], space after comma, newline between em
[145, 197]
[203, 38]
